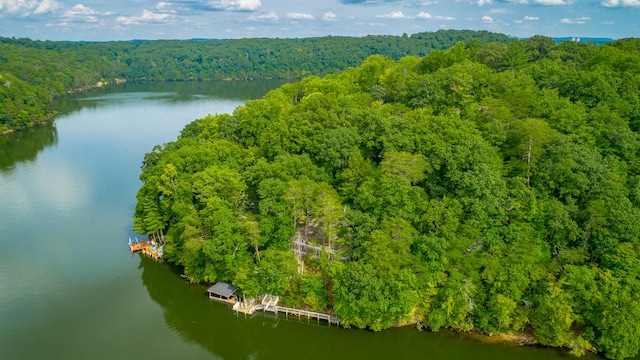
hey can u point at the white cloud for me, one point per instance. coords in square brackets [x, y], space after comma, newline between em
[270, 16]
[446, 18]
[329, 16]
[477, 2]
[299, 16]
[621, 3]
[553, 2]
[12, 6]
[79, 9]
[28, 7]
[542, 2]
[531, 18]
[423, 15]
[80, 12]
[392, 15]
[487, 19]
[240, 5]
[165, 7]
[47, 6]
[198, 6]
[580, 20]
[148, 17]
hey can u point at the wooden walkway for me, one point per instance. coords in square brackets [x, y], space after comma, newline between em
[138, 245]
[330, 319]
[270, 303]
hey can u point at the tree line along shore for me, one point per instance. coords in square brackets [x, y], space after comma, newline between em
[35, 73]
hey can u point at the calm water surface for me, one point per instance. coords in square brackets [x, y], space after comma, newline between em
[70, 289]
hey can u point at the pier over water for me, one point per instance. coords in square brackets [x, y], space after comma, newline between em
[226, 293]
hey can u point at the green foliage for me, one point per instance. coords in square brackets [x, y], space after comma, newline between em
[33, 73]
[364, 299]
[313, 291]
[492, 188]
[554, 316]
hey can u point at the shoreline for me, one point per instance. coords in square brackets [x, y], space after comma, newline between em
[52, 117]
[118, 81]
[39, 123]
[521, 339]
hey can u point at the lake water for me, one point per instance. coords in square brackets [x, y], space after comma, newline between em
[70, 288]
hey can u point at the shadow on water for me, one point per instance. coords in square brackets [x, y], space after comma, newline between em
[218, 330]
[24, 145]
[189, 312]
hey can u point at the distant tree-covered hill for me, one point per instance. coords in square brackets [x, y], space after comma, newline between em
[33, 73]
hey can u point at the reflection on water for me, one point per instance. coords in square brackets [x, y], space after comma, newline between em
[169, 92]
[24, 145]
[187, 309]
[129, 96]
[216, 328]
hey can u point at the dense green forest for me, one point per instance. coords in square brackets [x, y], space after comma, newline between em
[492, 188]
[34, 73]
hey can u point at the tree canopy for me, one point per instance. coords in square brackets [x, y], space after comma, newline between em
[487, 187]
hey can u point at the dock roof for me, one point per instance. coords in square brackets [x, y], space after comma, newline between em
[223, 289]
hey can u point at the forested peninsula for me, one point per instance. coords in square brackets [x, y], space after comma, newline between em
[491, 188]
[34, 73]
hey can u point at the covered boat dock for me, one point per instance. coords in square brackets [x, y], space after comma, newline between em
[223, 292]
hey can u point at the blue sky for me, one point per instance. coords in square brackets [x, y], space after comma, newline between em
[184, 19]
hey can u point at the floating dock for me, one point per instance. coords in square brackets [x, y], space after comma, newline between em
[148, 247]
[138, 245]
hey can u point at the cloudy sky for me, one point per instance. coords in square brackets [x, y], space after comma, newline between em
[184, 19]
